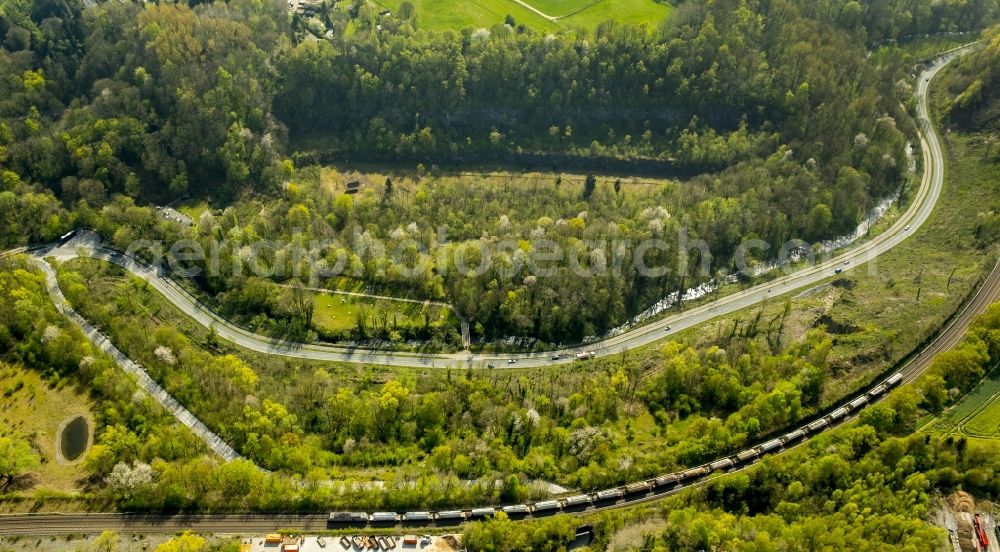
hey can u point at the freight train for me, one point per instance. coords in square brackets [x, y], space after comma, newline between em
[624, 494]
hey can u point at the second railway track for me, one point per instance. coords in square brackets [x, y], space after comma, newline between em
[617, 497]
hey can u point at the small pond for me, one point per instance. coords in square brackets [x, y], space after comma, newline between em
[74, 438]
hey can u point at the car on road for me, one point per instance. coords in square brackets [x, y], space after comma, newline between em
[556, 357]
[511, 361]
[66, 237]
[907, 227]
[491, 365]
[667, 328]
[838, 271]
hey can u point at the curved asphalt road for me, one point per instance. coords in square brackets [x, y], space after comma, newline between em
[915, 216]
[35, 524]
[52, 524]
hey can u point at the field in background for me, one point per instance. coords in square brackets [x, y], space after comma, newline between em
[560, 8]
[977, 416]
[456, 14]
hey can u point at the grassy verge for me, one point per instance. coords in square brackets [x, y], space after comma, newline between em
[922, 48]
[193, 208]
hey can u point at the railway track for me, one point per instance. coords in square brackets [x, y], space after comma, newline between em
[65, 524]
[78, 524]
[619, 497]
[988, 293]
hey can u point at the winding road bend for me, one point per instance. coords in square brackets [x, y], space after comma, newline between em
[143, 379]
[64, 524]
[949, 336]
[918, 212]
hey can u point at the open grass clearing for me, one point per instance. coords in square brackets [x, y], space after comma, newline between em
[560, 8]
[31, 407]
[336, 312]
[193, 208]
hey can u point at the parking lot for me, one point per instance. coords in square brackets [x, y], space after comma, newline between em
[447, 543]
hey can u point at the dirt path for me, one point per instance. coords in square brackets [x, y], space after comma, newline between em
[214, 442]
[538, 12]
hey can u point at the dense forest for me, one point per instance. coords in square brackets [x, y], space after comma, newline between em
[764, 116]
[588, 428]
[717, 85]
[976, 86]
[678, 94]
[191, 104]
[874, 21]
[792, 134]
